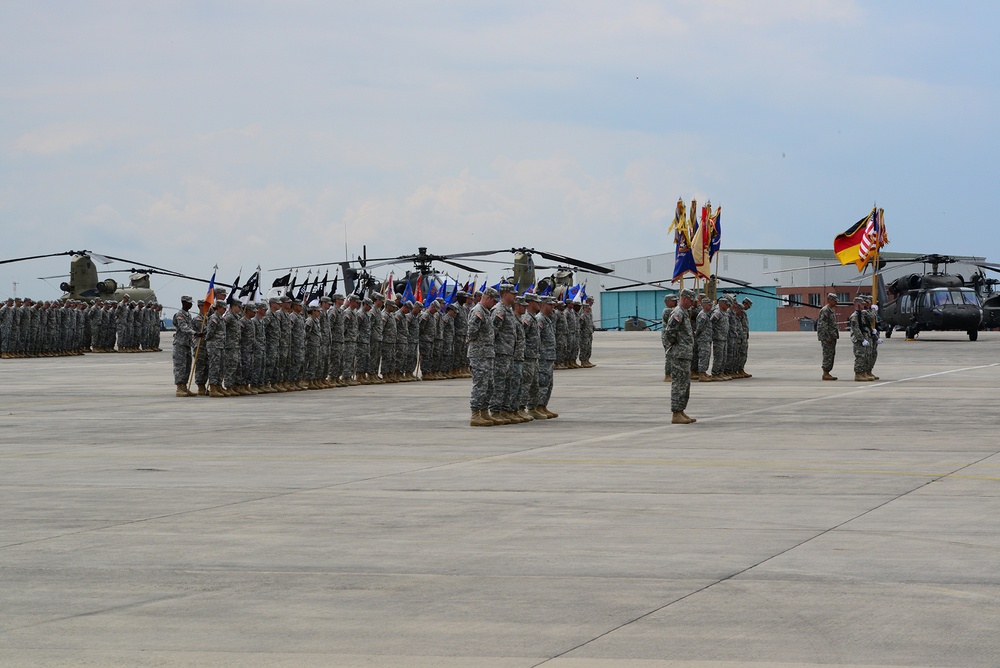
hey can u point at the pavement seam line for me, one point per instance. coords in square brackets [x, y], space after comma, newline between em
[742, 571]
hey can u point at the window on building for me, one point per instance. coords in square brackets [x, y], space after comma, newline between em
[795, 300]
[843, 298]
[814, 299]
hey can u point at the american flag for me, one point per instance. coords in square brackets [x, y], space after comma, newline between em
[874, 236]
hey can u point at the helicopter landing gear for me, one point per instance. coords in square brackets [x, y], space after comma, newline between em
[888, 333]
[973, 334]
[911, 332]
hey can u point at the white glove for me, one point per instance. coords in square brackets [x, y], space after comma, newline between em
[865, 343]
[875, 307]
[880, 341]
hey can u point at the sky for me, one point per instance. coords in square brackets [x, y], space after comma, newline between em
[192, 134]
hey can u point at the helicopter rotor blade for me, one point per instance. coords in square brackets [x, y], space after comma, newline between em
[36, 257]
[581, 264]
[463, 267]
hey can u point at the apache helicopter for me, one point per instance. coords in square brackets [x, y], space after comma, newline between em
[85, 285]
[938, 301]
[524, 269]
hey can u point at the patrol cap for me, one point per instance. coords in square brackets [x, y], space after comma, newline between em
[589, 300]
[220, 304]
[407, 304]
[285, 299]
[521, 300]
[506, 287]
[337, 296]
[312, 308]
[367, 300]
[354, 298]
[669, 298]
[529, 297]
[451, 307]
[858, 299]
[831, 295]
[391, 304]
[274, 300]
[325, 300]
[705, 299]
[378, 297]
[491, 292]
[187, 298]
[461, 293]
[748, 301]
[547, 299]
[477, 294]
[687, 292]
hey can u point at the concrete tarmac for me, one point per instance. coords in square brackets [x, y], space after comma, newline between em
[798, 523]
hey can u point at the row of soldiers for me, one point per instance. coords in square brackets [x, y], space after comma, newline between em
[694, 335]
[31, 328]
[337, 341]
[721, 332]
[513, 347]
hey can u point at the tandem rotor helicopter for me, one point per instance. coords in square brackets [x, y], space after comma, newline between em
[84, 284]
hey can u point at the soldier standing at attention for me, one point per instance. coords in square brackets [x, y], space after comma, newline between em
[481, 355]
[198, 321]
[428, 330]
[532, 348]
[587, 333]
[313, 337]
[703, 338]
[860, 327]
[513, 407]
[828, 333]
[669, 304]
[546, 355]
[248, 348]
[215, 340]
[680, 338]
[871, 311]
[502, 317]
[720, 338]
[231, 364]
[184, 335]
[412, 354]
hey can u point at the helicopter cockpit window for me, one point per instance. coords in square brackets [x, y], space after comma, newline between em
[965, 297]
[941, 298]
[904, 304]
[925, 299]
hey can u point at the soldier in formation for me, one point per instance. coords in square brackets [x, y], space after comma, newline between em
[31, 328]
[865, 338]
[679, 336]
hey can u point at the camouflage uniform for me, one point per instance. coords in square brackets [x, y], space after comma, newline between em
[586, 332]
[215, 341]
[350, 342]
[512, 403]
[285, 346]
[572, 333]
[481, 356]
[504, 326]
[377, 317]
[183, 338]
[336, 318]
[272, 336]
[231, 363]
[680, 339]
[389, 326]
[532, 348]
[546, 356]
[860, 327]
[448, 339]
[260, 351]
[199, 349]
[733, 342]
[720, 340]
[459, 358]
[414, 342]
[438, 349]
[562, 342]
[703, 339]
[313, 337]
[428, 331]
[364, 338]
[248, 348]
[402, 341]
[664, 318]
[827, 333]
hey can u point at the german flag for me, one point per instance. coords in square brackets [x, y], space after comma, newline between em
[847, 245]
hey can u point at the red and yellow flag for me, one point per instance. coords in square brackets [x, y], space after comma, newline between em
[847, 245]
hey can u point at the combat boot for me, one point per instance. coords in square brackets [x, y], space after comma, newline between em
[537, 414]
[678, 418]
[690, 419]
[497, 417]
[202, 391]
[242, 390]
[480, 420]
[549, 413]
[182, 391]
[513, 417]
[703, 377]
[215, 391]
[353, 382]
[827, 376]
[744, 374]
[525, 415]
[666, 378]
[860, 378]
[872, 376]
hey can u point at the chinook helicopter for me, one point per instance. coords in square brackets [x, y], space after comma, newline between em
[84, 284]
[939, 301]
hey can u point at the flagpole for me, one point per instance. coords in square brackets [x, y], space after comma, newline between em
[197, 348]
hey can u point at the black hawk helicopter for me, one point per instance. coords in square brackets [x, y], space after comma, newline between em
[939, 301]
[358, 277]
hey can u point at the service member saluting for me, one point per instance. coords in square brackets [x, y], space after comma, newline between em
[679, 337]
[480, 337]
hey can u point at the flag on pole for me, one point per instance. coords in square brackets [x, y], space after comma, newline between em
[210, 296]
[390, 292]
[701, 241]
[716, 231]
[847, 245]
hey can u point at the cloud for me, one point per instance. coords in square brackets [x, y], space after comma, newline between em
[62, 138]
